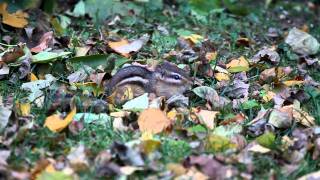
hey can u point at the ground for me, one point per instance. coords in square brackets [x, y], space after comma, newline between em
[252, 113]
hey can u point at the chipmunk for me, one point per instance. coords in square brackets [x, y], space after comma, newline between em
[166, 80]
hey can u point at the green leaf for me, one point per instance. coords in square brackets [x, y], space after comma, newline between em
[197, 129]
[250, 104]
[45, 57]
[228, 131]
[202, 91]
[203, 7]
[267, 139]
[54, 176]
[79, 9]
[138, 103]
[91, 60]
[216, 143]
[102, 118]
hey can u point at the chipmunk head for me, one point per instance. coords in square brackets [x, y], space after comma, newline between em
[170, 80]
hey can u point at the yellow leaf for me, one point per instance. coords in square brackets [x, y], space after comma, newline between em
[17, 19]
[172, 114]
[195, 38]
[25, 109]
[222, 76]
[238, 65]
[292, 83]
[50, 168]
[117, 45]
[153, 121]
[56, 124]
[146, 136]
[216, 143]
[150, 145]
[33, 77]
[268, 96]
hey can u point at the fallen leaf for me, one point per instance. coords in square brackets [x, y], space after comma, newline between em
[124, 47]
[56, 124]
[128, 170]
[45, 41]
[206, 117]
[78, 158]
[138, 103]
[45, 57]
[222, 76]
[4, 155]
[290, 83]
[5, 113]
[4, 69]
[177, 169]
[281, 117]
[195, 38]
[33, 77]
[24, 108]
[217, 143]
[302, 116]
[35, 87]
[11, 55]
[268, 96]
[302, 42]
[238, 65]
[82, 51]
[258, 149]
[17, 19]
[211, 56]
[228, 130]
[150, 145]
[266, 54]
[153, 121]
[266, 139]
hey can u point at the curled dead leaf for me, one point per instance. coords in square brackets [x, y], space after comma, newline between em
[56, 124]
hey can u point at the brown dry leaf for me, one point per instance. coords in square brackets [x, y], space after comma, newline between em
[17, 19]
[153, 120]
[12, 55]
[302, 116]
[206, 117]
[268, 74]
[238, 65]
[266, 54]
[242, 41]
[124, 47]
[281, 117]
[45, 41]
[56, 124]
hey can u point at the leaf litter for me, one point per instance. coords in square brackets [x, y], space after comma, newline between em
[253, 110]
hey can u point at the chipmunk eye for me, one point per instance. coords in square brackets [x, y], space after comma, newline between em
[176, 77]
